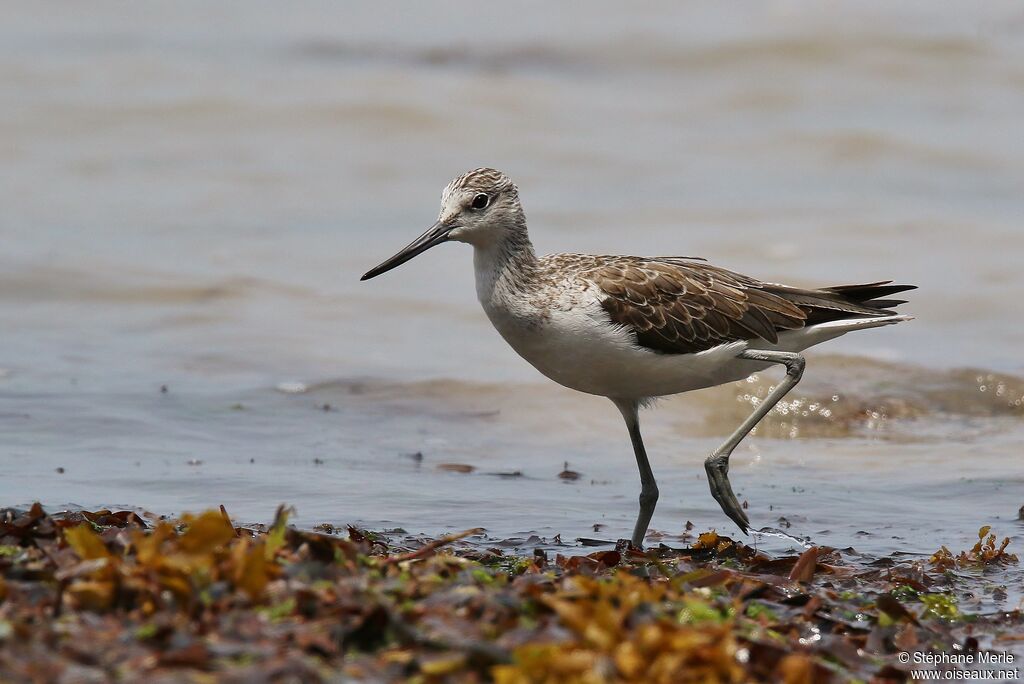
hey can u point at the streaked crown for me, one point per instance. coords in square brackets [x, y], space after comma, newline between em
[486, 180]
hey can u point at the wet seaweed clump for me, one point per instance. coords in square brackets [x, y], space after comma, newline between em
[984, 552]
[115, 596]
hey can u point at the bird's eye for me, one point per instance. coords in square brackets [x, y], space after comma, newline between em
[481, 201]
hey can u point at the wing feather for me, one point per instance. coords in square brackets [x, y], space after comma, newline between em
[678, 305]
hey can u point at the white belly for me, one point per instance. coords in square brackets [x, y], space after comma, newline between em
[580, 349]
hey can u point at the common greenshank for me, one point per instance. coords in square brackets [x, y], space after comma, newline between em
[636, 328]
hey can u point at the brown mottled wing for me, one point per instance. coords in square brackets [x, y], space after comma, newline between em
[678, 306]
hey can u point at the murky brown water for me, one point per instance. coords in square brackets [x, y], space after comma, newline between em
[191, 192]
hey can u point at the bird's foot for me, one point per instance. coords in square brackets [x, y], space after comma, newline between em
[718, 479]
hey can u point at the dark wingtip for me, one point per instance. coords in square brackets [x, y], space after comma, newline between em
[886, 303]
[870, 290]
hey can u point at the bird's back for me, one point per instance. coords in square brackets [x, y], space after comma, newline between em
[682, 305]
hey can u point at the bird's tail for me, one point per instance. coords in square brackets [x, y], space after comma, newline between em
[869, 295]
[843, 302]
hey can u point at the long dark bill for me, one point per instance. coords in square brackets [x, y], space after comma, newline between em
[434, 235]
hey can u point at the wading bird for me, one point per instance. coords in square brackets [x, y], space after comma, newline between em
[636, 328]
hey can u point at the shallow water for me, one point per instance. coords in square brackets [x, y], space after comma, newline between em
[190, 195]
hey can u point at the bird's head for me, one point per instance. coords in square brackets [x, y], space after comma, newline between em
[480, 207]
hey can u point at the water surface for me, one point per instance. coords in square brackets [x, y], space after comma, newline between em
[190, 195]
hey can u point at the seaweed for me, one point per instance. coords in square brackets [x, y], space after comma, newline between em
[118, 596]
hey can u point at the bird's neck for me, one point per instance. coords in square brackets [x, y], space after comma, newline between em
[504, 267]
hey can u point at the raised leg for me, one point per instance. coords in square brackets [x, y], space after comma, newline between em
[648, 487]
[717, 464]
